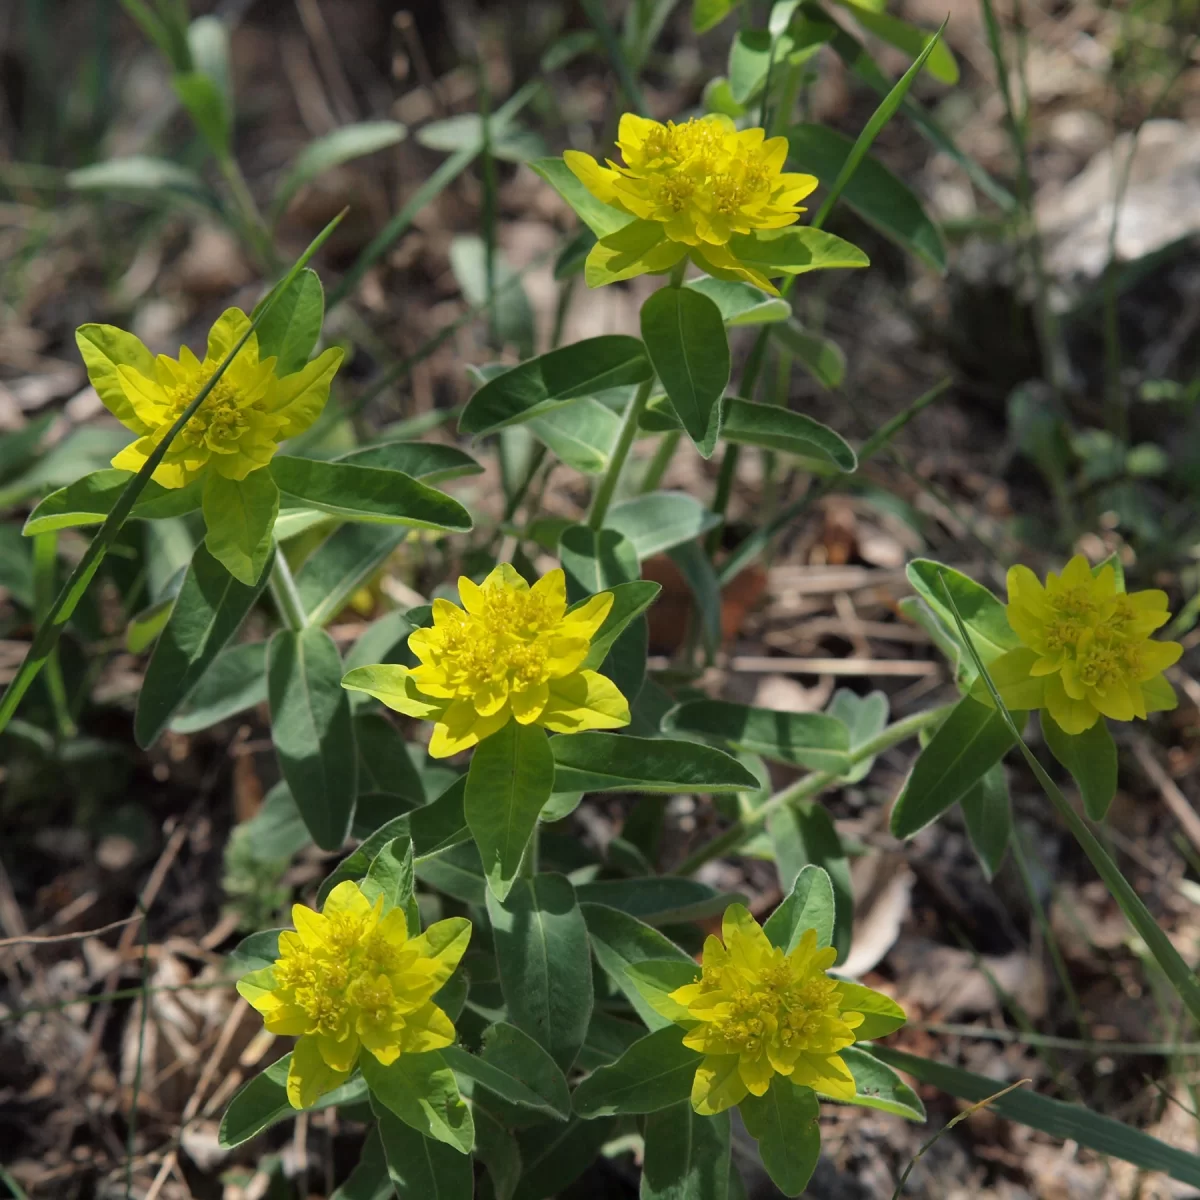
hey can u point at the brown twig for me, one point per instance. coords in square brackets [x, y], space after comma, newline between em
[1176, 801]
[33, 939]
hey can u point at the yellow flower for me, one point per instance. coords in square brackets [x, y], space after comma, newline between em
[240, 424]
[694, 188]
[350, 978]
[510, 652]
[1087, 648]
[760, 1012]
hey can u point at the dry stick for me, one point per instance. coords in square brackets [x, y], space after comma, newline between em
[1175, 800]
[36, 940]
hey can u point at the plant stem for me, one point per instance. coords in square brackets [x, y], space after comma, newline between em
[285, 593]
[254, 228]
[629, 427]
[808, 786]
[661, 460]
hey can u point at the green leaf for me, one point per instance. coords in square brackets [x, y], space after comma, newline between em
[752, 54]
[619, 941]
[144, 628]
[277, 830]
[254, 952]
[312, 731]
[784, 1124]
[776, 428]
[140, 173]
[940, 63]
[659, 520]
[707, 14]
[370, 1179]
[208, 611]
[208, 109]
[544, 383]
[982, 613]
[968, 743]
[367, 494]
[263, 1101]
[685, 339]
[658, 899]
[616, 762]
[630, 600]
[290, 330]
[235, 680]
[341, 565]
[741, 303]
[602, 219]
[240, 515]
[508, 142]
[1063, 1121]
[865, 718]
[497, 1149]
[421, 1090]
[654, 1073]
[656, 978]
[987, 814]
[596, 559]
[555, 1156]
[517, 1054]
[581, 433]
[390, 875]
[687, 1156]
[814, 740]
[804, 834]
[796, 250]
[542, 953]
[89, 500]
[423, 1168]
[500, 1083]
[383, 759]
[881, 1014]
[697, 570]
[330, 150]
[1091, 757]
[512, 315]
[509, 781]
[430, 462]
[821, 358]
[878, 1086]
[809, 905]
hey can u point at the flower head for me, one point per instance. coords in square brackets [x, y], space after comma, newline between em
[1087, 647]
[240, 424]
[760, 1012]
[511, 652]
[698, 185]
[350, 979]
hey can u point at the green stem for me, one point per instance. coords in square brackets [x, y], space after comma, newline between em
[808, 786]
[536, 458]
[285, 593]
[45, 568]
[254, 228]
[629, 427]
[661, 460]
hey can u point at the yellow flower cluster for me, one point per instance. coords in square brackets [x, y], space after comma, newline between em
[350, 979]
[240, 424]
[1087, 648]
[759, 1012]
[511, 652]
[700, 183]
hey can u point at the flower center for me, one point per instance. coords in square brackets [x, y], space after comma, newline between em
[218, 422]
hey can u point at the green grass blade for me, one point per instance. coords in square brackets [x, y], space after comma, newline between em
[57, 615]
[618, 59]
[879, 118]
[1180, 975]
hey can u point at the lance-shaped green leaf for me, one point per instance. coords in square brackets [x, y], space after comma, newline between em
[543, 957]
[208, 611]
[366, 494]
[821, 357]
[602, 219]
[420, 1167]
[1091, 757]
[1061, 1120]
[657, 978]
[543, 383]
[987, 814]
[654, 1073]
[497, 1149]
[659, 520]
[814, 740]
[239, 515]
[776, 428]
[741, 303]
[514, 1052]
[390, 875]
[312, 731]
[430, 462]
[509, 1087]
[630, 600]
[580, 433]
[89, 500]
[685, 339]
[421, 1090]
[595, 560]
[809, 905]
[610, 762]
[968, 743]
[342, 564]
[982, 613]
[940, 63]
[659, 899]
[254, 952]
[509, 781]
[796, 250]
[784, 1124]
[383, 760]
[554, 1156]
[235, 680]
[687, 1155]
[290, 330]
[878, 1086]
[370, 1179]
[141, 173]
[865, 718]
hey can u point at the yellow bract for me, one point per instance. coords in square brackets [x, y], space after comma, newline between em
[510, 652]
[350, 978]
[699, 185]
[240, 424]
[1087, 648]
[760, 1012]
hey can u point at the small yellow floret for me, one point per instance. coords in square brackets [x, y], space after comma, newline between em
[237, 428]
[1087, 648]
[511, 652]
[760, 1012]
[703, 182]
[350, 978]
